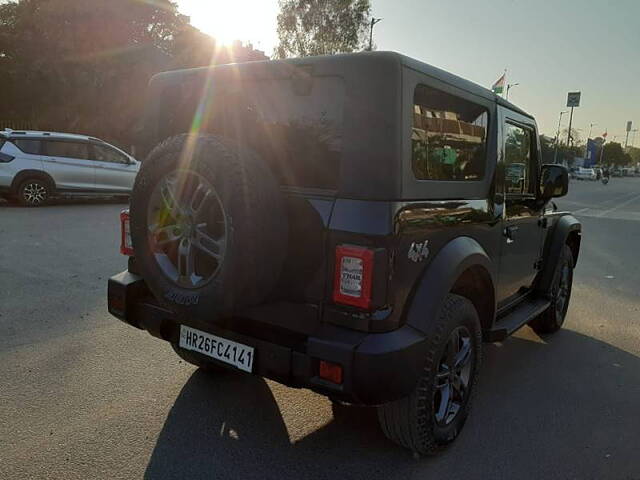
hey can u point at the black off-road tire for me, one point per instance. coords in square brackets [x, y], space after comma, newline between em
[197, 360]
[257, 224]
[552, 319]
[411, 421]
[26, 199]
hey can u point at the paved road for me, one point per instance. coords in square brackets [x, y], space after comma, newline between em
[85, 396]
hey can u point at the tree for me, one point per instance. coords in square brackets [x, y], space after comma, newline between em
[321, 27]
[576, 139]
[83, 66]
[634, 153]
[614, 155]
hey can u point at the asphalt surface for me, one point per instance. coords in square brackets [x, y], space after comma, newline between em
[83, 395]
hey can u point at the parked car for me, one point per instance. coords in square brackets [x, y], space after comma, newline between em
[35, 166]
[586, 174]
[572, 172]
[361, 252]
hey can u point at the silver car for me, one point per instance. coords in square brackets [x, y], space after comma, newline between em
[35, 166]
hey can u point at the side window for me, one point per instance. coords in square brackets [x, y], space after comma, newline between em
[102, 153]
[29, 146]
[67, 149]
[518, 159]
[449, 136]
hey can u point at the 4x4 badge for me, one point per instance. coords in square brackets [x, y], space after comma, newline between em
[418, 251]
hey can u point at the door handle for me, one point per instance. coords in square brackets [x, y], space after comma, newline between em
[509, 233]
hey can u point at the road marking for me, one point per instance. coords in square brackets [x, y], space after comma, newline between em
[620, 205]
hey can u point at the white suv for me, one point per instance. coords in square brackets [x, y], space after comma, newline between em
[37, 165]
[586, 174]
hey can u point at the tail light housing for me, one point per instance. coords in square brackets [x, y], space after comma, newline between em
[126, 247]
[332, 372]
[353, 276]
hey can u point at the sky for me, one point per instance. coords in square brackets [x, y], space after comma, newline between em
[548, 47]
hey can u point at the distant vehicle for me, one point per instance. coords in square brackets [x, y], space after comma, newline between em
[616, 172]
[586, 174]
[328, 254]
[572, 172]
[35, 166]
[598, 173]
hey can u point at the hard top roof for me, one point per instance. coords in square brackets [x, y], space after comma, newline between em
[382, 57]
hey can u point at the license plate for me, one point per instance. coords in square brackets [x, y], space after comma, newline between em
[227, 351]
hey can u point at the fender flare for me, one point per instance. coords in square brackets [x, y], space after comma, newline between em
[22, 175]
[440, 276]
[556, 240]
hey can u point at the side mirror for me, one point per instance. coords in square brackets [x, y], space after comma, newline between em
[554, 181]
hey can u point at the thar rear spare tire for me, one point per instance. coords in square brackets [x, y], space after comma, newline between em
[208, 225]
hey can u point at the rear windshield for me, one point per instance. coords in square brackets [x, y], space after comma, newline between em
[294, 123]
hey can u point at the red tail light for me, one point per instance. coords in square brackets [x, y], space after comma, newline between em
[353, 275]
[126, 247]
[330, 371]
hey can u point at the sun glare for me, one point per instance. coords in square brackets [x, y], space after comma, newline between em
[228, 20]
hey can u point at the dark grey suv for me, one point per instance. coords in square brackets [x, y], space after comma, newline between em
[353, 224]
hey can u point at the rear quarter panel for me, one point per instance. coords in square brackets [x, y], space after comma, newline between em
[22, 161]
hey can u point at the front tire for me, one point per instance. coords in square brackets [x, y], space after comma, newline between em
[434, 414]
[553, 318]
[34, 192]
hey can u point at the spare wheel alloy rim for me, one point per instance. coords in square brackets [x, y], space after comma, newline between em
[187, 228]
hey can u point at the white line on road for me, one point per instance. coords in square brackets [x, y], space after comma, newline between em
[620, 205]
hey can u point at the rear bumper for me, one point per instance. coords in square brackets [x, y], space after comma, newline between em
[377, 367]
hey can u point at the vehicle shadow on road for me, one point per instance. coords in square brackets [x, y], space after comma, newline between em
[569, 395]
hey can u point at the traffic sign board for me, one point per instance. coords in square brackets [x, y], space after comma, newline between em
[573, 99]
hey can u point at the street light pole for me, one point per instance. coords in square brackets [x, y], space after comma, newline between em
[373, 22]
[509, 85]
[604, 140]
[586, 145]
[555, 154]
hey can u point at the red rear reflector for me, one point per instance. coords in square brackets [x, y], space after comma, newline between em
[126, 247]
[353, 274]
[331, 372]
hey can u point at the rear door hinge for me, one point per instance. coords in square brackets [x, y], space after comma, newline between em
[538, 264]
[543, 222]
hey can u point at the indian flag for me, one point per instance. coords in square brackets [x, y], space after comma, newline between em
[498, 87]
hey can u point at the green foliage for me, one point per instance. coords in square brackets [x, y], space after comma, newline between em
[321, 27]
[614, 155]
[634, 153]
[83, 66]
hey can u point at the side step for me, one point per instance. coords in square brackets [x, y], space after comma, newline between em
[516, 318]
